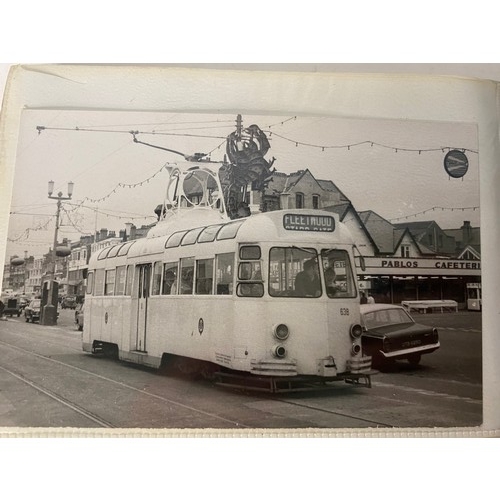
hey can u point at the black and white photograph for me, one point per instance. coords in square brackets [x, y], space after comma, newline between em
[229, 250]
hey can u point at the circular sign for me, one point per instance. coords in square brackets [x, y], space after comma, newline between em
[63, 251]
[456, 163]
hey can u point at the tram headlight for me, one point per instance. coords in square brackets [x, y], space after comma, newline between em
[355, 349]
[281, 331]
[356, 331]
[279, 351]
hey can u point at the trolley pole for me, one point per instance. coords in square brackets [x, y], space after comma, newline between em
[49, 313]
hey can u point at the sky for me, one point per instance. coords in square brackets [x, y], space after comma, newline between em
[384, 177]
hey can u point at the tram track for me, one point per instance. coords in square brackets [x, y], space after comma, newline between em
[69, 404]
[332, 412]
[313, 407]
[90, 415]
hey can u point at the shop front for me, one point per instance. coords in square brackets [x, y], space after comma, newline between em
[393, 280]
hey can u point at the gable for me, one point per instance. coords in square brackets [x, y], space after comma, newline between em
[469, 253]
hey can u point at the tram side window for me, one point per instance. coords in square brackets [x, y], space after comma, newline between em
[109, 285]
[250, 282]
[170, 279]
[121, 274]
[187, 276]
[90, 283]
[155, 290]
[204, 276]
[99, 282]
[129, 279]
[224, 273]
[294, 272]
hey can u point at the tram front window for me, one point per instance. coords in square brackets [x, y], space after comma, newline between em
[294, 272]
[337, 271]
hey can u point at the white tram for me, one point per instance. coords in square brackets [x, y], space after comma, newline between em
[231, 294]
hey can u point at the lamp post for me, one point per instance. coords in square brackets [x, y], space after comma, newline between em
[49, 313]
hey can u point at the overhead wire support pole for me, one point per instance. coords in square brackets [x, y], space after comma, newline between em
[49, 312]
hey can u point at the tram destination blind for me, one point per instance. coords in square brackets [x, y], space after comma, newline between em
[299, 222]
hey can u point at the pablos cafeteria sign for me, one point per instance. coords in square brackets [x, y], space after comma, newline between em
[426, 267]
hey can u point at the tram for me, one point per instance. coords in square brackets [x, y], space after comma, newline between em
[269, 298]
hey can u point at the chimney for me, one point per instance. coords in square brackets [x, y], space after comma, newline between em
[123, 234]
[103, 234]
[466, 232]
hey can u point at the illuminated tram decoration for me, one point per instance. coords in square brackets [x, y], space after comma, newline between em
[271, 298]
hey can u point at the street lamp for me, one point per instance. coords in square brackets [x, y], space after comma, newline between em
[49, 313]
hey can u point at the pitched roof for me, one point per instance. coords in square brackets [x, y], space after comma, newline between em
[284, 183]
[380, 230]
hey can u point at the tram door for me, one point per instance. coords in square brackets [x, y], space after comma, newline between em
[143, 280]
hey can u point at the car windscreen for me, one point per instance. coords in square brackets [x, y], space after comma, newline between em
[384, 317]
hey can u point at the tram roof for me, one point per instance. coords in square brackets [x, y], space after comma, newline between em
[293, 226]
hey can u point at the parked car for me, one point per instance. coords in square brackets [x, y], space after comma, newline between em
[32, 311]
[68, 302]
[79, 316]
[391, 334]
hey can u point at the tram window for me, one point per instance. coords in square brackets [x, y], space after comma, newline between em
[204, 276]
[99, 282]
[155, 290]
[187, 276]
[208, 234]
[250, 290]
[190, 236]
[104, 253]
[337, 271]
[129, 279]
[123, 250]
[224, 274]
[288, 276]
[250, 271]
[229, 231]
[169, 279]
[121, 274]
[250, 252]
[90, 283]
[109, 284]
[175, 239]
[113, 251]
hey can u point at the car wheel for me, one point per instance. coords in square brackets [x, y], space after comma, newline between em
[414, 359]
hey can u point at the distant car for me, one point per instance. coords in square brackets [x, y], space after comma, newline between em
[79, 316]
[32, 311]
[23, 302]
[68, 302]
[12, 307]
[391, 334]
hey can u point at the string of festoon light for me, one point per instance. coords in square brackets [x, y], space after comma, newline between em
[353, 145]
[443, 209]
[26, 233]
